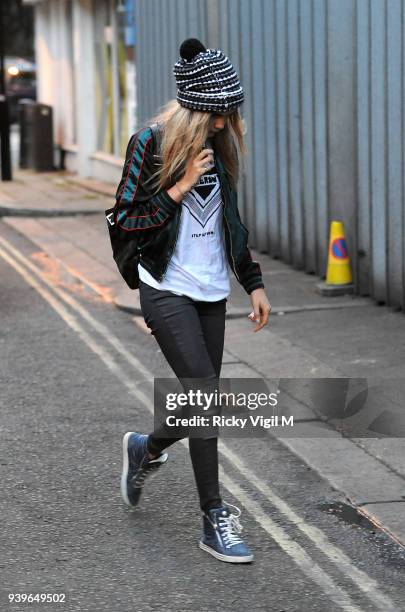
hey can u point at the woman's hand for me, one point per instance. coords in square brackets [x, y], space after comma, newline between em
[261, 308]
[195, 168]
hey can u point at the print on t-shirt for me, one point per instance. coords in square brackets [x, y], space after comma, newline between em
[204, 199]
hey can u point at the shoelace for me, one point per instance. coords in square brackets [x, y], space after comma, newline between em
[230, 527]
[138, 480]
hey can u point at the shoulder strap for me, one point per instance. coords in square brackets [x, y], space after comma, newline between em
[156, 131]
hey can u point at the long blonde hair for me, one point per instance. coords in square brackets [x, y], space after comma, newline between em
[184, 132]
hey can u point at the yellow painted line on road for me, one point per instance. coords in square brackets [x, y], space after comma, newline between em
[364, 582]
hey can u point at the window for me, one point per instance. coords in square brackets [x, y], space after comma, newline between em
[115, 74]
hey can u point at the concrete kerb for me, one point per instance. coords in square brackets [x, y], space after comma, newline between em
[7, 210]
[105, 189]
[133, 307]
[123, 302]
[373, 489]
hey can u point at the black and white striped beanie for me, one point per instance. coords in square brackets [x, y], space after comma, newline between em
[206, 79]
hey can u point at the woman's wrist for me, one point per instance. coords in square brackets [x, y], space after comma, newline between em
[180, 190]
[176, 193]
[182, 187]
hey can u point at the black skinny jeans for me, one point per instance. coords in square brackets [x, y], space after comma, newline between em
[190, 334]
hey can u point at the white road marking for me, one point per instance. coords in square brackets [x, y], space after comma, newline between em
[367, 584]
[364, 582]
[292, 548]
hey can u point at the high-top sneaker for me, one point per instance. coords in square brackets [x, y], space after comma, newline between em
[221, 535]
[137, 466]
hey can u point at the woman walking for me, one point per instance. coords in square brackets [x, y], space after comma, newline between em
[190, 236]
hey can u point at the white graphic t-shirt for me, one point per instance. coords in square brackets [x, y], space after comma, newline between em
[198, 267]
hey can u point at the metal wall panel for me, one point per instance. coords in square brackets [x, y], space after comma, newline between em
[294, 136]
[324, 109]
[380, 99]
[161, 26]
[341, 138]
[394, 151]
[378, 152]
[363, 161]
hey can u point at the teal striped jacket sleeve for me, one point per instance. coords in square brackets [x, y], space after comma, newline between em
[138, 206]
[250, 272]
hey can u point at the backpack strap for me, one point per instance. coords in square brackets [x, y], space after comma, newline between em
[156, 133]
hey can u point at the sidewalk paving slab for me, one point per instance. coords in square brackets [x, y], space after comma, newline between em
[46, 194]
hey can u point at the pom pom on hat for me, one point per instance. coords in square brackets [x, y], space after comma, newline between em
[190, 48]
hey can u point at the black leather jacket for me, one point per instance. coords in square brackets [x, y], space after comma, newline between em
[154, 218]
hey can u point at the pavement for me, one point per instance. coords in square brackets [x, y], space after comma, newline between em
[310, 338]
[46, 194]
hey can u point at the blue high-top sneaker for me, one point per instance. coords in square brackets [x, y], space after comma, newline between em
[221, 536]
[137, 466]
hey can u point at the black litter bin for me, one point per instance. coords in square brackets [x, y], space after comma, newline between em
[36, 136]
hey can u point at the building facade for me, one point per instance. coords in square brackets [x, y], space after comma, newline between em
[325, 112]
[85, 52]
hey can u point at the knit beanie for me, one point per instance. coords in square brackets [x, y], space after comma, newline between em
[206, 79]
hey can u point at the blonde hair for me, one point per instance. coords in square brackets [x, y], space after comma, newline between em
[183, 137]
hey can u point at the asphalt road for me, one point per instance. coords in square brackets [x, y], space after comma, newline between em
[76, 374]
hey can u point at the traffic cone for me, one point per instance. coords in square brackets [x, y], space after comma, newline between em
[339, 273]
